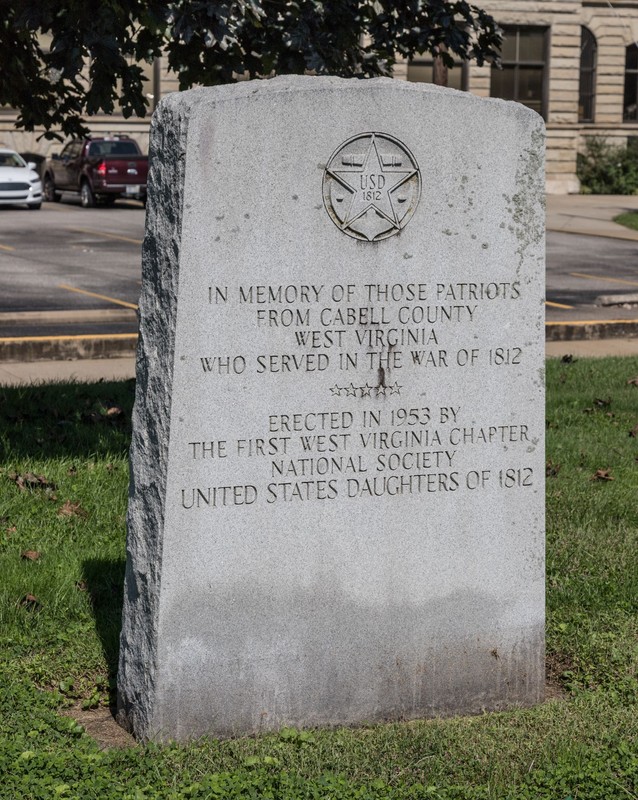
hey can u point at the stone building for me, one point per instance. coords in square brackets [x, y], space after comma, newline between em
[573, 61]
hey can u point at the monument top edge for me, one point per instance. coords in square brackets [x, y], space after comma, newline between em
[282, 84]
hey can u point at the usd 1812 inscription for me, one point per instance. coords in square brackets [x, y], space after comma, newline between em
[371, 186]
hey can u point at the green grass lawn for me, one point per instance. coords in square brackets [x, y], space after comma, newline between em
[63, 490]
[628, 219]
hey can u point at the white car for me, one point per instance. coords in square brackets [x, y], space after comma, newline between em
[19, 181]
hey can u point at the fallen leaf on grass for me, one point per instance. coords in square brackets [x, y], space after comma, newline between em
[30, 602]
[634, 432]
[568, 359]
[104, 412]
[81, 586]
[602, 475]
[30, 555]
[600, 403]
[633, 381]
[73, 470]
[31, 481]
[551, 469]
[70, 509]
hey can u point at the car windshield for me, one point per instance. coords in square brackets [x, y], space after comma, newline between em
[113, 149]
[11, 160]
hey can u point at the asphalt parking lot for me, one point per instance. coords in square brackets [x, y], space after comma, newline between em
[65, 267]
[66, 270]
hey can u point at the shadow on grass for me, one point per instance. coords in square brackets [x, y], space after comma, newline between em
[105, 584]
[66, 420]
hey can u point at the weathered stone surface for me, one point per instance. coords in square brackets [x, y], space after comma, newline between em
[336, 509]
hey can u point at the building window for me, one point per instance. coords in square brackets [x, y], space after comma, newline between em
[523, 76]
[421, 70]
[630, 106]
[587, 82]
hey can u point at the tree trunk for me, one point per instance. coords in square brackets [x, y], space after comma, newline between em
[440, 69]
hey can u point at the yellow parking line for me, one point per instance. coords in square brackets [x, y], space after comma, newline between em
[603, 278]
[7, 247]
[101, 234]
[595, 322]
[99, 296]
[556, 305]
[64, 338]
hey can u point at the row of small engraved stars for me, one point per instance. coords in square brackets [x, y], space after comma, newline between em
[365, 391]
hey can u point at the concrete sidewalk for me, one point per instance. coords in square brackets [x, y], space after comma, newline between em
[590, 215]
[89, 370]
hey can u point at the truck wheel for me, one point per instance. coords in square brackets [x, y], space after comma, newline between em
[87, 198]
[50, 195]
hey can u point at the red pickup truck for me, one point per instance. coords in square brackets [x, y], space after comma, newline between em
[98, 169]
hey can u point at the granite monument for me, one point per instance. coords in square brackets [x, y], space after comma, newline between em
[336, 508]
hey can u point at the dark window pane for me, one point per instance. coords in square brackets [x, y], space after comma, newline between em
[420, 71]
[531, 45]
[508, 48]
[503, 83]
[455, 78]
[587, 82]
[585, 109]
[522, 77]
[630, 105]
[530, 86]
[630, 110]
[587, 49]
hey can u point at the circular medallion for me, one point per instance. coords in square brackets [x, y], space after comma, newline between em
[371, 186]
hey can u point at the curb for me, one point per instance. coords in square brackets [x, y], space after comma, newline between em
[108, 316]
[63, 348]
[584, 330]
[601, 229]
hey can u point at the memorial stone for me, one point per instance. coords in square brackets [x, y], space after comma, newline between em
[336, 510]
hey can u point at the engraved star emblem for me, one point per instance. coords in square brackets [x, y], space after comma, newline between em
[395, 388]
[351, 391]
[365, 390]
[370, 208]
[381, 390]
[336, 390]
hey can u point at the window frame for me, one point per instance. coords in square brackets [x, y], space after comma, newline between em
[516, 63]
[589, 70]
[634, 73]
[427, 60]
